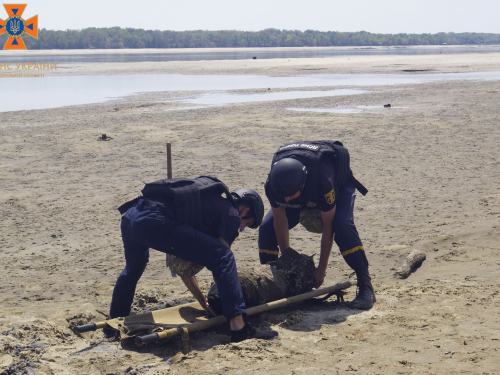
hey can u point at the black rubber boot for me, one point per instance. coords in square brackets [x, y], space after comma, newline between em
[249, 332]
[365, 297]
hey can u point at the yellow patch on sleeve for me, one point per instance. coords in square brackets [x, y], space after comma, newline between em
[330, 197]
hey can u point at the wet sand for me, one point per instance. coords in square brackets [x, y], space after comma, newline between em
[432, 170]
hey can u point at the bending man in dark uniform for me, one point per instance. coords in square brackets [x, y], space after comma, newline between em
[308, 176]
[191, 220]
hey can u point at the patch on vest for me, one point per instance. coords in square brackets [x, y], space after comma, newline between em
[311, 204]
[299, 145]
[330, 197]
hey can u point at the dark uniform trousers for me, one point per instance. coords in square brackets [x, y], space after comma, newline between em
[345, 234]
[145, 226]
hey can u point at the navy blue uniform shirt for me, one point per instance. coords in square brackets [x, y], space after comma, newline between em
[218, 215]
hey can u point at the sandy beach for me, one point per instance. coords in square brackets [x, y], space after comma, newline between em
[432, 167]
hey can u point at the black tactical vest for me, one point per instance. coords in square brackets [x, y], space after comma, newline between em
[309, 154]
[186, 195]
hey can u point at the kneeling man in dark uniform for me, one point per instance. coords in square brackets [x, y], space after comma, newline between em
[189, 219]
[316, 176]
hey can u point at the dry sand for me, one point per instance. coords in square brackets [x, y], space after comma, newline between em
[432, 170]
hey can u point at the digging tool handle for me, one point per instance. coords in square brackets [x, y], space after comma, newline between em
[147, 339]
[85, 328]
[90, 327]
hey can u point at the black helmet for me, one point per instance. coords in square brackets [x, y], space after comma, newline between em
[253, 199]
[287, 177]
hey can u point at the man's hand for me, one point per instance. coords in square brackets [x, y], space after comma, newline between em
[194, 288]
[208, 309]
[317, 278]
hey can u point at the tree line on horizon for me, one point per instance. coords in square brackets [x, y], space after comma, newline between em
[117, 37]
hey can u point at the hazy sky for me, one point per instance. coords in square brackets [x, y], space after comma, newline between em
[377, 16]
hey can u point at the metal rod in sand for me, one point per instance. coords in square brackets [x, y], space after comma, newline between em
[169, 160]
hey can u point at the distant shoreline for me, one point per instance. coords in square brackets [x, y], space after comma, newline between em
[229, 49]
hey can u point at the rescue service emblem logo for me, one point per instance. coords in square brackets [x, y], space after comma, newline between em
[330, 197]
[15, 26]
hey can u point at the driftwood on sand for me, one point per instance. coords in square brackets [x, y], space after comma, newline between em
[410, 264]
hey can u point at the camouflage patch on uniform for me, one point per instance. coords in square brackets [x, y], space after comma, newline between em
[330, 197]
[311, 220]
[185, 268]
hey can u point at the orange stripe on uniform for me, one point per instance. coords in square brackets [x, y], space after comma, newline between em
[353, 250]
[272, 252]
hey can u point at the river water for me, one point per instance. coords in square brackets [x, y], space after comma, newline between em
[52, 92]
